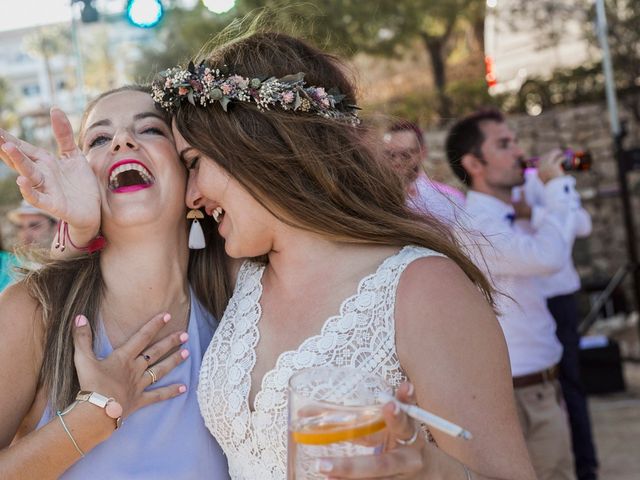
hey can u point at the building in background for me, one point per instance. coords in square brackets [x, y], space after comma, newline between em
[42, 66]
[518, 49]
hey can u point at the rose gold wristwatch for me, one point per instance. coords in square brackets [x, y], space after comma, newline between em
[112, 408]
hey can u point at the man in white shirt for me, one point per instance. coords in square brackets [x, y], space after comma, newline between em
[559, 288]
[405, 148]
[484, 153]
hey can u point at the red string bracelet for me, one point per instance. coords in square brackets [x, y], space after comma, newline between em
[93, 246]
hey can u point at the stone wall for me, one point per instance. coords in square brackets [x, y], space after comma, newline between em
[582, 127]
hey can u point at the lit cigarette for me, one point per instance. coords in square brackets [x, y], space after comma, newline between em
[429, 418]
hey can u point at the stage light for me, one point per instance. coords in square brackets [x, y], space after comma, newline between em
[145, 13]
[219, 6]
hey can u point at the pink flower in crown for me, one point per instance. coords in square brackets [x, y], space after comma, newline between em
[208, 78]
[183, 90]
[241, 82]
[321, 96]
[197, 86]
[287, 97]
[226, 88]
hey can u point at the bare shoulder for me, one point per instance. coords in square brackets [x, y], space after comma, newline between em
[19, 311]
[451, 347]
[20, 357]
[22, 328]
[442, 316]
[434, 288]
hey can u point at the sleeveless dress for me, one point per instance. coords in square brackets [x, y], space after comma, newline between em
[362, 335]
[163, 441]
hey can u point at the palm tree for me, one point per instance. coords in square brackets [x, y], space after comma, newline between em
[47, 43]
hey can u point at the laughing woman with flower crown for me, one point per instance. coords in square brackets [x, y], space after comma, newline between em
[341, 271]
[90, 389]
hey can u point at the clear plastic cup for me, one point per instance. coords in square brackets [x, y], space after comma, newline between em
[333, 412]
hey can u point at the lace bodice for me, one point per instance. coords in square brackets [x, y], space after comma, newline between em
[362, 335]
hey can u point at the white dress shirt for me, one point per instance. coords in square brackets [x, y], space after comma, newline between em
[443, 201]
[514, 258]
[566, 280]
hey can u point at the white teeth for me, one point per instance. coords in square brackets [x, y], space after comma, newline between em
[217, 213]
[144, 173]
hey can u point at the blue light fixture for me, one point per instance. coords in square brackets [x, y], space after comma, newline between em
[145, 13]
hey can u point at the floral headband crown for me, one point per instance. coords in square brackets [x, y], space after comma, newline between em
[202, 85]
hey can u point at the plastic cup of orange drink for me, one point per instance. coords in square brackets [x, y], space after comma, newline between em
[333, 412]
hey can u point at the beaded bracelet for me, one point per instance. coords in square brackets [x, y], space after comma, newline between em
[95, 245]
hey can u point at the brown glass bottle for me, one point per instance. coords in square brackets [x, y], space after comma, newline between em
[574, 161]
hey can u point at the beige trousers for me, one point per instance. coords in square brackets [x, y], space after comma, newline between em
[545, 425]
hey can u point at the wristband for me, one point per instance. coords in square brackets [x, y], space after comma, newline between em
[95, 245]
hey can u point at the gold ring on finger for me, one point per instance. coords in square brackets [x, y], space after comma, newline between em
[152, 374]
[413, 438]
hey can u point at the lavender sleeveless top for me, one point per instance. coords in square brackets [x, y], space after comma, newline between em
[166, 440]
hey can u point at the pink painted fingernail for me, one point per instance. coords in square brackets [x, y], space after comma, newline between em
[184, 337]
[81, 321]
[166, 317]
[182, 389]
[396, 408]
[323, 466]
[184, 354]
[411, 389]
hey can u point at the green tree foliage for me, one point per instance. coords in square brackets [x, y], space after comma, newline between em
[180, 37]
[439, 29]
[382, 27]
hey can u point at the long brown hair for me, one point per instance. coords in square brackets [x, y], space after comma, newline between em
[66, 288]
[313, 173]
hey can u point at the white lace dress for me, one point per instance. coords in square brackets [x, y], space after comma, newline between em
[362, 335]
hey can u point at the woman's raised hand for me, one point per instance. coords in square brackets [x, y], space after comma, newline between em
[132, 367]
[65, 187]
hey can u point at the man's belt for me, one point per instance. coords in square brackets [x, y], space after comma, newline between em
[543, 376]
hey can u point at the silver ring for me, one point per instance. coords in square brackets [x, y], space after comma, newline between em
[39, 184]
[411, 440]
[152, 374]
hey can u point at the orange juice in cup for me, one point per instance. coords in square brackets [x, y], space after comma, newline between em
[333, 412]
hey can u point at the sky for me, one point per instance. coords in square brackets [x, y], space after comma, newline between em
[15, 14]
[24, 13]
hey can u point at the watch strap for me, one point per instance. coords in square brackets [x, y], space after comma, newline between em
[101, 401]
[92, 397]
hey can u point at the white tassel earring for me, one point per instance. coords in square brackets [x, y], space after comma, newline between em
[196, 235]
